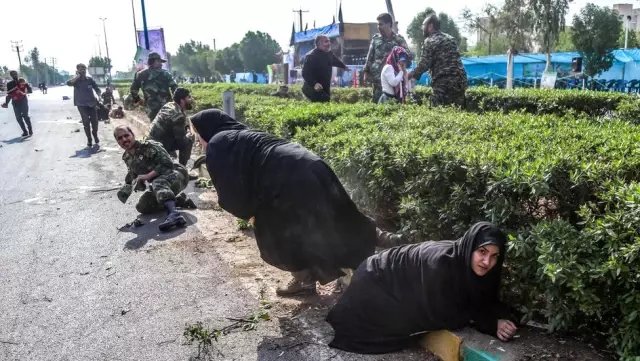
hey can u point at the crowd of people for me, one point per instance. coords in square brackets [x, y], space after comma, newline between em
[304, 220]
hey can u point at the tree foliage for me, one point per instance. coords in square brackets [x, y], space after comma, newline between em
[257, 50]
[195, 59]
[515, 21]
[101, 62]
[565, 41]
[549, 22]
[595, 33]
[486, 22]
[632, 42]
[447, 25]
[229, 59]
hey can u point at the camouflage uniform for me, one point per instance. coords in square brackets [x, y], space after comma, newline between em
[172, 179]
[440, 57]
[155, 84]
[379, 50]
[170, 127]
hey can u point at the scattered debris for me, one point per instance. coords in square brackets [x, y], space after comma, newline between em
[136, 223]
[76, 131]
[9, 342]
[111, 274]
[47, 298]
[234, 239]
[84, 273]
[104, 190]
[125, 311]
[204, 183]
[38, 150]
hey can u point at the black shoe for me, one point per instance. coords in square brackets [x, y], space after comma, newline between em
[96, 140]
[89, 145]
[30, 132]
[173, 220]
[25, 134]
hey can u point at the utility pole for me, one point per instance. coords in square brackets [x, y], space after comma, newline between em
[214, 44]
[55, 72]
[16, 47]
[106, 45]
[99, 47]
[135, 29]
[300, 13]
[144, 25]
[46, 71]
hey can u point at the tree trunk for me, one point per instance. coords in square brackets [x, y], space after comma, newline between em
[548, 67]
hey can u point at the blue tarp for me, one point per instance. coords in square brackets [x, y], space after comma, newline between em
[626, 65]
[331, 31]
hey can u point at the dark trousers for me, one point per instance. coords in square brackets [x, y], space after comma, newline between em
[89, 117]
[21, 110]
[184, 147]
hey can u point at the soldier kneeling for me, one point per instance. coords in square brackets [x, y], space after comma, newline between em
[148, 161]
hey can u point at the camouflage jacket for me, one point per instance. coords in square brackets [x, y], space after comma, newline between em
[156, 84]
[170, 123]
[379, 50]
[149, 155]
[440, 57]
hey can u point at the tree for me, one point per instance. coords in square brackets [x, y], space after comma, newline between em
[565, 41]
[257, 50]
[549, 21]
[515, 20]
[486, 21]
[447, 25]
[194, 59]
[632, 41]
[229, 59]
[595, 33]
[100, 62]
[499, 45]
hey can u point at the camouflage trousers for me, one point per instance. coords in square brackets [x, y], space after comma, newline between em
[377, 89]
[164, 188]
[449, 91]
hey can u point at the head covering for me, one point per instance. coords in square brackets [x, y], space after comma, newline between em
[180, 94]
[155, 56]
[393, 59]
[213, 121]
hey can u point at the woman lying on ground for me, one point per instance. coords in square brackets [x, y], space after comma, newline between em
[304, 220]
[398, 294]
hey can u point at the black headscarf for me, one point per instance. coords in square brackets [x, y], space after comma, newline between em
[416, 288]
[213, 121]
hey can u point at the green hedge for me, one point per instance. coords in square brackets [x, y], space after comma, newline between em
[478, 100]
[559, 176]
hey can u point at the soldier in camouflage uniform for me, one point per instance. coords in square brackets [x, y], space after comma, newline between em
[156, 83]
[171, 125]
[380, 48]
[441, 58]
[148, 161]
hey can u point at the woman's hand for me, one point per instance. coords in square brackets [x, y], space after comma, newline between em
[506, 330]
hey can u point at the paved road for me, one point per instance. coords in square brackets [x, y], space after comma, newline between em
[73, 286]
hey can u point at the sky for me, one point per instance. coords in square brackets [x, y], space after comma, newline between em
[73, 37]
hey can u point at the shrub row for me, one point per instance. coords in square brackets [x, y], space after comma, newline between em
[563, 188]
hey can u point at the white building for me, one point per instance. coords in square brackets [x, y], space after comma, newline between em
[626, 10]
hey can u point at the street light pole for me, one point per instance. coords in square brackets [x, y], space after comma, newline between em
[144, 25]
[626, 33]
[106, 44]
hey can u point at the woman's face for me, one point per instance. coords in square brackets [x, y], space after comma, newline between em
[484, 259]
[402, 62]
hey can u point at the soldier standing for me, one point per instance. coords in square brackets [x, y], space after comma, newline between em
[156, 83]
[441, 58]
[380, 48]
[171, 126]
[148, 161]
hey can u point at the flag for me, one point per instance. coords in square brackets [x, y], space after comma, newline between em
[293, 35]
[340, 13]
[306, 26]
[314, 24]
[334, 20]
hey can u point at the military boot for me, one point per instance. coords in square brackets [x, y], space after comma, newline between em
[174, 219]
[301, 284]
[389, 240]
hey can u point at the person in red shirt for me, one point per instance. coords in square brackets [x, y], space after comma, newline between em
[17, 90]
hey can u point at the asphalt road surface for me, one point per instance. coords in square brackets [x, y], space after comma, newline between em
[76, 287]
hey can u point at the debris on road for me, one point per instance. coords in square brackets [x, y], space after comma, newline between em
[38, 150]
[124, 312]
[76, 131]
[84, 273]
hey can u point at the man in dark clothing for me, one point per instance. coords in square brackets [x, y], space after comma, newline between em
[441, 58]
[85, 100]
[17, 90]
[317, 70]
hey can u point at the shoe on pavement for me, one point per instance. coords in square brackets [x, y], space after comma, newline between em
[89, 144]
[189, 204]
[297, 288]
[30, 132]
[174, 219]
[96, 140]
[25, 134]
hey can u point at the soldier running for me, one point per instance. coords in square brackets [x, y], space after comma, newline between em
[148, 161]
[380, 48]
[441, 58]
[157, 85]
[171, 125]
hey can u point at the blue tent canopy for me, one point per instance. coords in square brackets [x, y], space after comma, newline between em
[331, 31]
